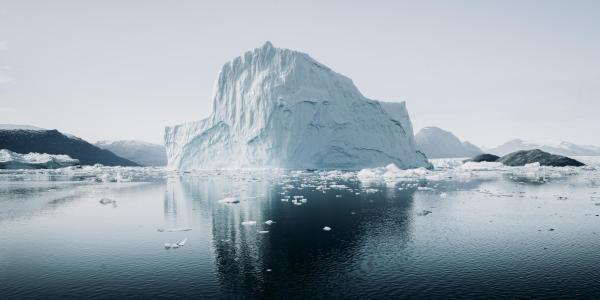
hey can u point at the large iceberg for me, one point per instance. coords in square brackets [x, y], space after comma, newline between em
[280, 108]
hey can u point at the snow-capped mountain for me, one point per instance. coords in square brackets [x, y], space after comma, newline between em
[54, 142]
[280, 108]
[438, 143]
[560, 148]
[143, 153]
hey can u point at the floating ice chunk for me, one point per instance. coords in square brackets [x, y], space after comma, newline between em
[167, 245]
[269, 222]
[338, 196]
[232, 200]
[424, 213]
[249, 223]
[106, 201]
[338, 186]
[263, 231]
[182, 242]
[326, 228]
[174, 246]
[481, 166]
[177, 229]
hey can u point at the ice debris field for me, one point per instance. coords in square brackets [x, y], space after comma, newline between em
[370, 179]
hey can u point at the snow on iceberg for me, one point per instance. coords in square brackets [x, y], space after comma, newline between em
[13, 160]
[280, 108]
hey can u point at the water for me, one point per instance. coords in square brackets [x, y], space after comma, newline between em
[493, 232]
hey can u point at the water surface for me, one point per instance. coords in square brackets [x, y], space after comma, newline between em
[452, 233]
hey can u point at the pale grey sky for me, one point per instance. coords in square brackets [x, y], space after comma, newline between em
[488, 71]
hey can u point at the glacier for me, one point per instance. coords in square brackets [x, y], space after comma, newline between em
[279, 108]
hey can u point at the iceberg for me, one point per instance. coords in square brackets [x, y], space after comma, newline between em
[13, 160]
[279, 108]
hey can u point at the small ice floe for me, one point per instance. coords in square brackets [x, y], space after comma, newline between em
[167, 245]
[249, 223]
[174, 246]
[424, 212]
[338, 196]
[263, 231]
[179, 229]
[338, 186]
[106, 201]
[182, 242]
[173, 229]
[231, 200]
[269, 270]
[424, 188]
[269, 222]
[326, 228]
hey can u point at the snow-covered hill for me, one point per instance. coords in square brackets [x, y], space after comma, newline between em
[143, 153]
[280, 108]
[18, 126]
[12, 160]
[438, 143]
[560, 148]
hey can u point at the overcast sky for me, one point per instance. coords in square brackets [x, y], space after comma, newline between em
[489, 71]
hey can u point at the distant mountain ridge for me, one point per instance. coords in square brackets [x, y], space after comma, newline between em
[54, 142]
[438, 143]
[560, 148]
[143, 153]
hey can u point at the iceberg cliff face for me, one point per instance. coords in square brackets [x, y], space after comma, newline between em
[281, 108]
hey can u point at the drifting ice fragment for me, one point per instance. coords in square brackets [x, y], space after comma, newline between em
[179, 229]
[326, 228]
[229, 200]
[167, 245]
[263, 231]
[105, 201]
[249, 223]
[424, 213]
[182, 242]
[269, 222]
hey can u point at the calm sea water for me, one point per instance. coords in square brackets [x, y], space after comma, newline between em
[482, 237]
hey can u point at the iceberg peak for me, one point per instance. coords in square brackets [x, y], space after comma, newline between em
[267, 45]
[276, 107]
